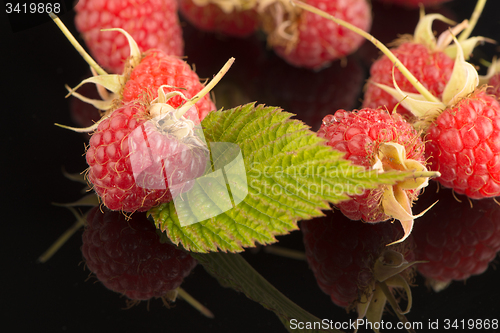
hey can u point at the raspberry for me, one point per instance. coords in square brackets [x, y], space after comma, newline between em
[432, 68]
[211, 18]
[127, 257]
[463, 144]
[306, 40]
[361, 135]
[344, 257]
[494, 86]
[136, 164]
[153, 24]
[144, 151]
[156, 69]
[462, 127]
[415, 3]
[403, 22]
[143, 75]
[462, 244]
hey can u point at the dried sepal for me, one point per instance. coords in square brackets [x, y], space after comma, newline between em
[396, 201]
[464, 79]
[423, 32]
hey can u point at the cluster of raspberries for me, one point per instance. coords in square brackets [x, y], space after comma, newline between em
[435, 117]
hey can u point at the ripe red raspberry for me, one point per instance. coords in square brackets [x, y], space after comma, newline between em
[415, 3]
[212, 18]
[127, 257]
[152, 23]
[136, 163]
[306, 40]
[347, 259]
[462, 126]
[143, 75]
[144, 151]
[462, 244]
[363, 136]
[432, 68]
[403, 22]
[463, 144]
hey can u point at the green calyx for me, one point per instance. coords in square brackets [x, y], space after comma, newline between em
[105, 82]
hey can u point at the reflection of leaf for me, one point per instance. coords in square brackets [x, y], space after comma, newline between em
[234, 272]
[291, 175]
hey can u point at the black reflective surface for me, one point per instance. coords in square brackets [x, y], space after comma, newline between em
[60, 296]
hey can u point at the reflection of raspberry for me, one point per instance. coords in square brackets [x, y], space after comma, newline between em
[128, 258]
[342, 255]
[153, 24]
[494, 84]
[457, 240]
[312, 95]
[211, 18]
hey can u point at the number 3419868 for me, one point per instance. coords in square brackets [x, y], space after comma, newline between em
[470, 324]
[32, 8]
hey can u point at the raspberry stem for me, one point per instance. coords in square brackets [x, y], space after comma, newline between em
[285, 252]
[77, 45]
[80, 222]
[397, 63]
[192, 101]
[194, 303]
[394, 304]
[473, 20]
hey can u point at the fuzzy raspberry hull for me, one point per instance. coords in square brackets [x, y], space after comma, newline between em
[128, 258]
[212, 18]
[153, 24]
[342, 254]
[457, 240]
[359, 134]
[431, 68]
[320, 41]
[463, 144]
[132, 164]
[156, 69]
[415, 3]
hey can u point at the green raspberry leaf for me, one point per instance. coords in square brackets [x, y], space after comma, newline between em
[289, 172]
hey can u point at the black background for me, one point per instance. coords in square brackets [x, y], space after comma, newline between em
[56, 296]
